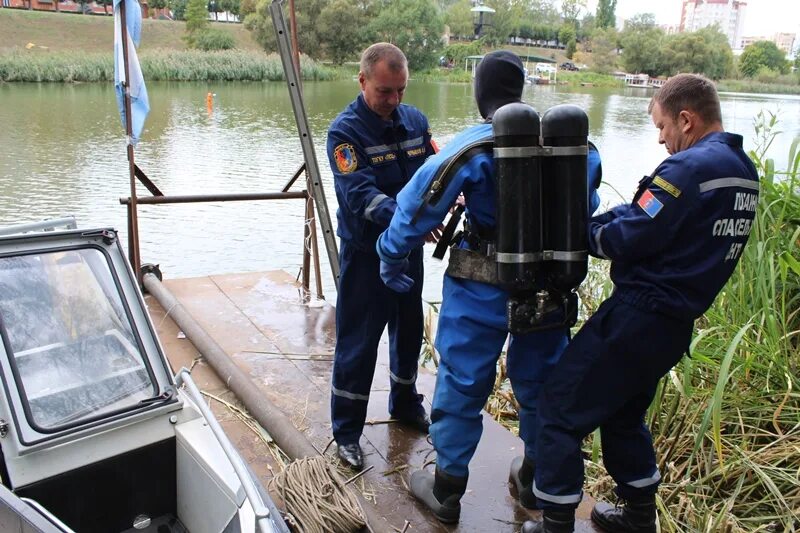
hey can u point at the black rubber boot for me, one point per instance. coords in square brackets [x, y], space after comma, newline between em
[628, 517]
[441, 493]
[552, 522]
[520, 477]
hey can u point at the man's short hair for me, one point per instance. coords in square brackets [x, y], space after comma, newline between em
[688, 91]
[394, 57]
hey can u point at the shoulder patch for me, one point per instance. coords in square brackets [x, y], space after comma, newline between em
[345, 157]
[667, 186]
[649, 203]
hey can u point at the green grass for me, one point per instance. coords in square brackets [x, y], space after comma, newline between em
[59, 32]
[157, 65]
[754, 86]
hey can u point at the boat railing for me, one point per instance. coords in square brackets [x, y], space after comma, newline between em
[48, 515]
[260, 510]
[44, 225]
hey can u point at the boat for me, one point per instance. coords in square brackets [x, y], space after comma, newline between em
[97, 434]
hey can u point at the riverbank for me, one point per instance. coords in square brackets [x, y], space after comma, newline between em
[87, 34]
[157, 65]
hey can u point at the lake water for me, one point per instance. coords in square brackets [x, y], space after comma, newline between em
[62, 152]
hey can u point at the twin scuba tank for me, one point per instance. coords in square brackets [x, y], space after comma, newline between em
[541, 212]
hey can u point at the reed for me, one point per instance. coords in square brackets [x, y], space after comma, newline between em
[157, 65]
[726, 421]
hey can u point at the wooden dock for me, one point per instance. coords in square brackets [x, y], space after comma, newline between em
[286, 347]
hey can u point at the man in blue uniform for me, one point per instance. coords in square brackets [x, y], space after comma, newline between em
[671, 250]
[374, 147]
[472, 320]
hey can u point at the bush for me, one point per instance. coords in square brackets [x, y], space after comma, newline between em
[214, 40]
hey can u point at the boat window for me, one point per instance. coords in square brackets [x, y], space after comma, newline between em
[70, 342]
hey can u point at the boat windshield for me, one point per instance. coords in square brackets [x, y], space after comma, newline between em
[69, 340]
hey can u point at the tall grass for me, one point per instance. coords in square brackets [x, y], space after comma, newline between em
[157, 65]
[726, 421]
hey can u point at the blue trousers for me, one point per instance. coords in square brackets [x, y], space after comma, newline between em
[471, 334]
[364, 306]
[606, 378]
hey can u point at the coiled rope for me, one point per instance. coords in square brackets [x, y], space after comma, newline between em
[318, 498]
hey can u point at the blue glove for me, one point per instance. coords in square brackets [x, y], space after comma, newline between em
[394, 276]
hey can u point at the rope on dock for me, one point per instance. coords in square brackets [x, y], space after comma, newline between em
[318, 498]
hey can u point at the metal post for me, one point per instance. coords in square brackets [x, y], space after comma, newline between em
[312, 167]
[133, 222]
[306, 244]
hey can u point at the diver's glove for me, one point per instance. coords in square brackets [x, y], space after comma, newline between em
[393, 270]
[394, 276]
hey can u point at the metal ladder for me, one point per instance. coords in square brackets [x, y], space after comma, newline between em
[312, 167]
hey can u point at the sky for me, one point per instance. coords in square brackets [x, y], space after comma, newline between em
[759, 20]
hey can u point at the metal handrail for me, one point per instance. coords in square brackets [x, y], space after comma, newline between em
[285, 194]
[262, 513]
[44, 225]
[48, 515]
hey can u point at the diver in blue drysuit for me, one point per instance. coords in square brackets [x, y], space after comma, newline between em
[374, 147]
[472, 319]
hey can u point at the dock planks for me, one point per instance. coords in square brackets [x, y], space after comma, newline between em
[287, 348]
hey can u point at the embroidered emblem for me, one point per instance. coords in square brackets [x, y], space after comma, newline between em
[667, 186]
[345, 157]
[649, 203]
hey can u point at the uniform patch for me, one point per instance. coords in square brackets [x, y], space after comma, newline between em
[667, 186]
[345, 157]
[649, 203]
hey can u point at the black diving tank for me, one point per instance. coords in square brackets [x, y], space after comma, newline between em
[518, 183]
[565, 129]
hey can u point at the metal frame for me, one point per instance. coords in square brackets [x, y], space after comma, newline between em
[312, 167]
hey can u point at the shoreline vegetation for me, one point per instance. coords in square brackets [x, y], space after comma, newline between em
[67, 48]
[21, 65]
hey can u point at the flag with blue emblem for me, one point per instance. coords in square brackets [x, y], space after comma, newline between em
[140, 105]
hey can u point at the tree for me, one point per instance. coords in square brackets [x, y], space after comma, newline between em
[762, 54]
[156, 5]
[641, 47]
[606, 16]
[196, 20]
[587, 27]
[459, 18]
[705, 51]
[178, 8]
[640, 21]
[415, 26]
[570, 9]
[566, 34]
[604, 50]
[505, 21]
[342, 42]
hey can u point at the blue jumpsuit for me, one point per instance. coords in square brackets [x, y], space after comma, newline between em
[372, 159]
[672, 250]
[472, 319]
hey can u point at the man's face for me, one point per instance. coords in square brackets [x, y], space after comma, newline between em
[383, 90]
[672, 133]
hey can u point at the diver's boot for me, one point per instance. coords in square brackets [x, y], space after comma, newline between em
[521, 477]
[351, 455]
[553, 521]
[633, 517]
[441, 493]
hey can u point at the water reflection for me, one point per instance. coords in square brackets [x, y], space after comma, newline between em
[62, 152]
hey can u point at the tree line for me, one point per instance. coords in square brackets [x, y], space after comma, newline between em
[338, 30]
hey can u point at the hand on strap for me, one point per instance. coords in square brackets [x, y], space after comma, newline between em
[394, 276]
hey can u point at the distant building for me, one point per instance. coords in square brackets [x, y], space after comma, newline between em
[727, 14]
[784, 41]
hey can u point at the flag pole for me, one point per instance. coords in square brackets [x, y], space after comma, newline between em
[133, 223]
